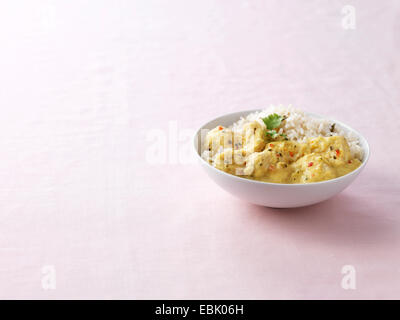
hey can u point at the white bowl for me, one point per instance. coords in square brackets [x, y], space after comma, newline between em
[277, 195]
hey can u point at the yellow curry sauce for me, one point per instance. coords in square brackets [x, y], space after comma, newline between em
[252, 155]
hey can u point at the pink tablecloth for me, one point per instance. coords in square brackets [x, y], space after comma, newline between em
[86, 87]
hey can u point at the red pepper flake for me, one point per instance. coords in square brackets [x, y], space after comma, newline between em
[220, 128]
[310, 164]
[291, 153]
[271, 145]
[312, 175]
[349, 161]
[337, 152]
[271, 167]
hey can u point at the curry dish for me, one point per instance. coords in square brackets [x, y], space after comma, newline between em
[258, 154]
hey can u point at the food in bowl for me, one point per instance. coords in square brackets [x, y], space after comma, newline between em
[283, 145]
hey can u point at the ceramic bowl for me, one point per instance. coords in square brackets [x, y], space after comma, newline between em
[275, 194]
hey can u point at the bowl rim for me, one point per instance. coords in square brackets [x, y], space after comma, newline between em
[243, 113]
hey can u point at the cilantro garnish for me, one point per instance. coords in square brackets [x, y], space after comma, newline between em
[271, 122]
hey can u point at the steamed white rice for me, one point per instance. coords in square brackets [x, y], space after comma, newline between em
[299, 127]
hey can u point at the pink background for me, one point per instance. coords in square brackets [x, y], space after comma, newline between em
[83, 83]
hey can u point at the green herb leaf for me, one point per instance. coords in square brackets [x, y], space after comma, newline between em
[273, 121]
